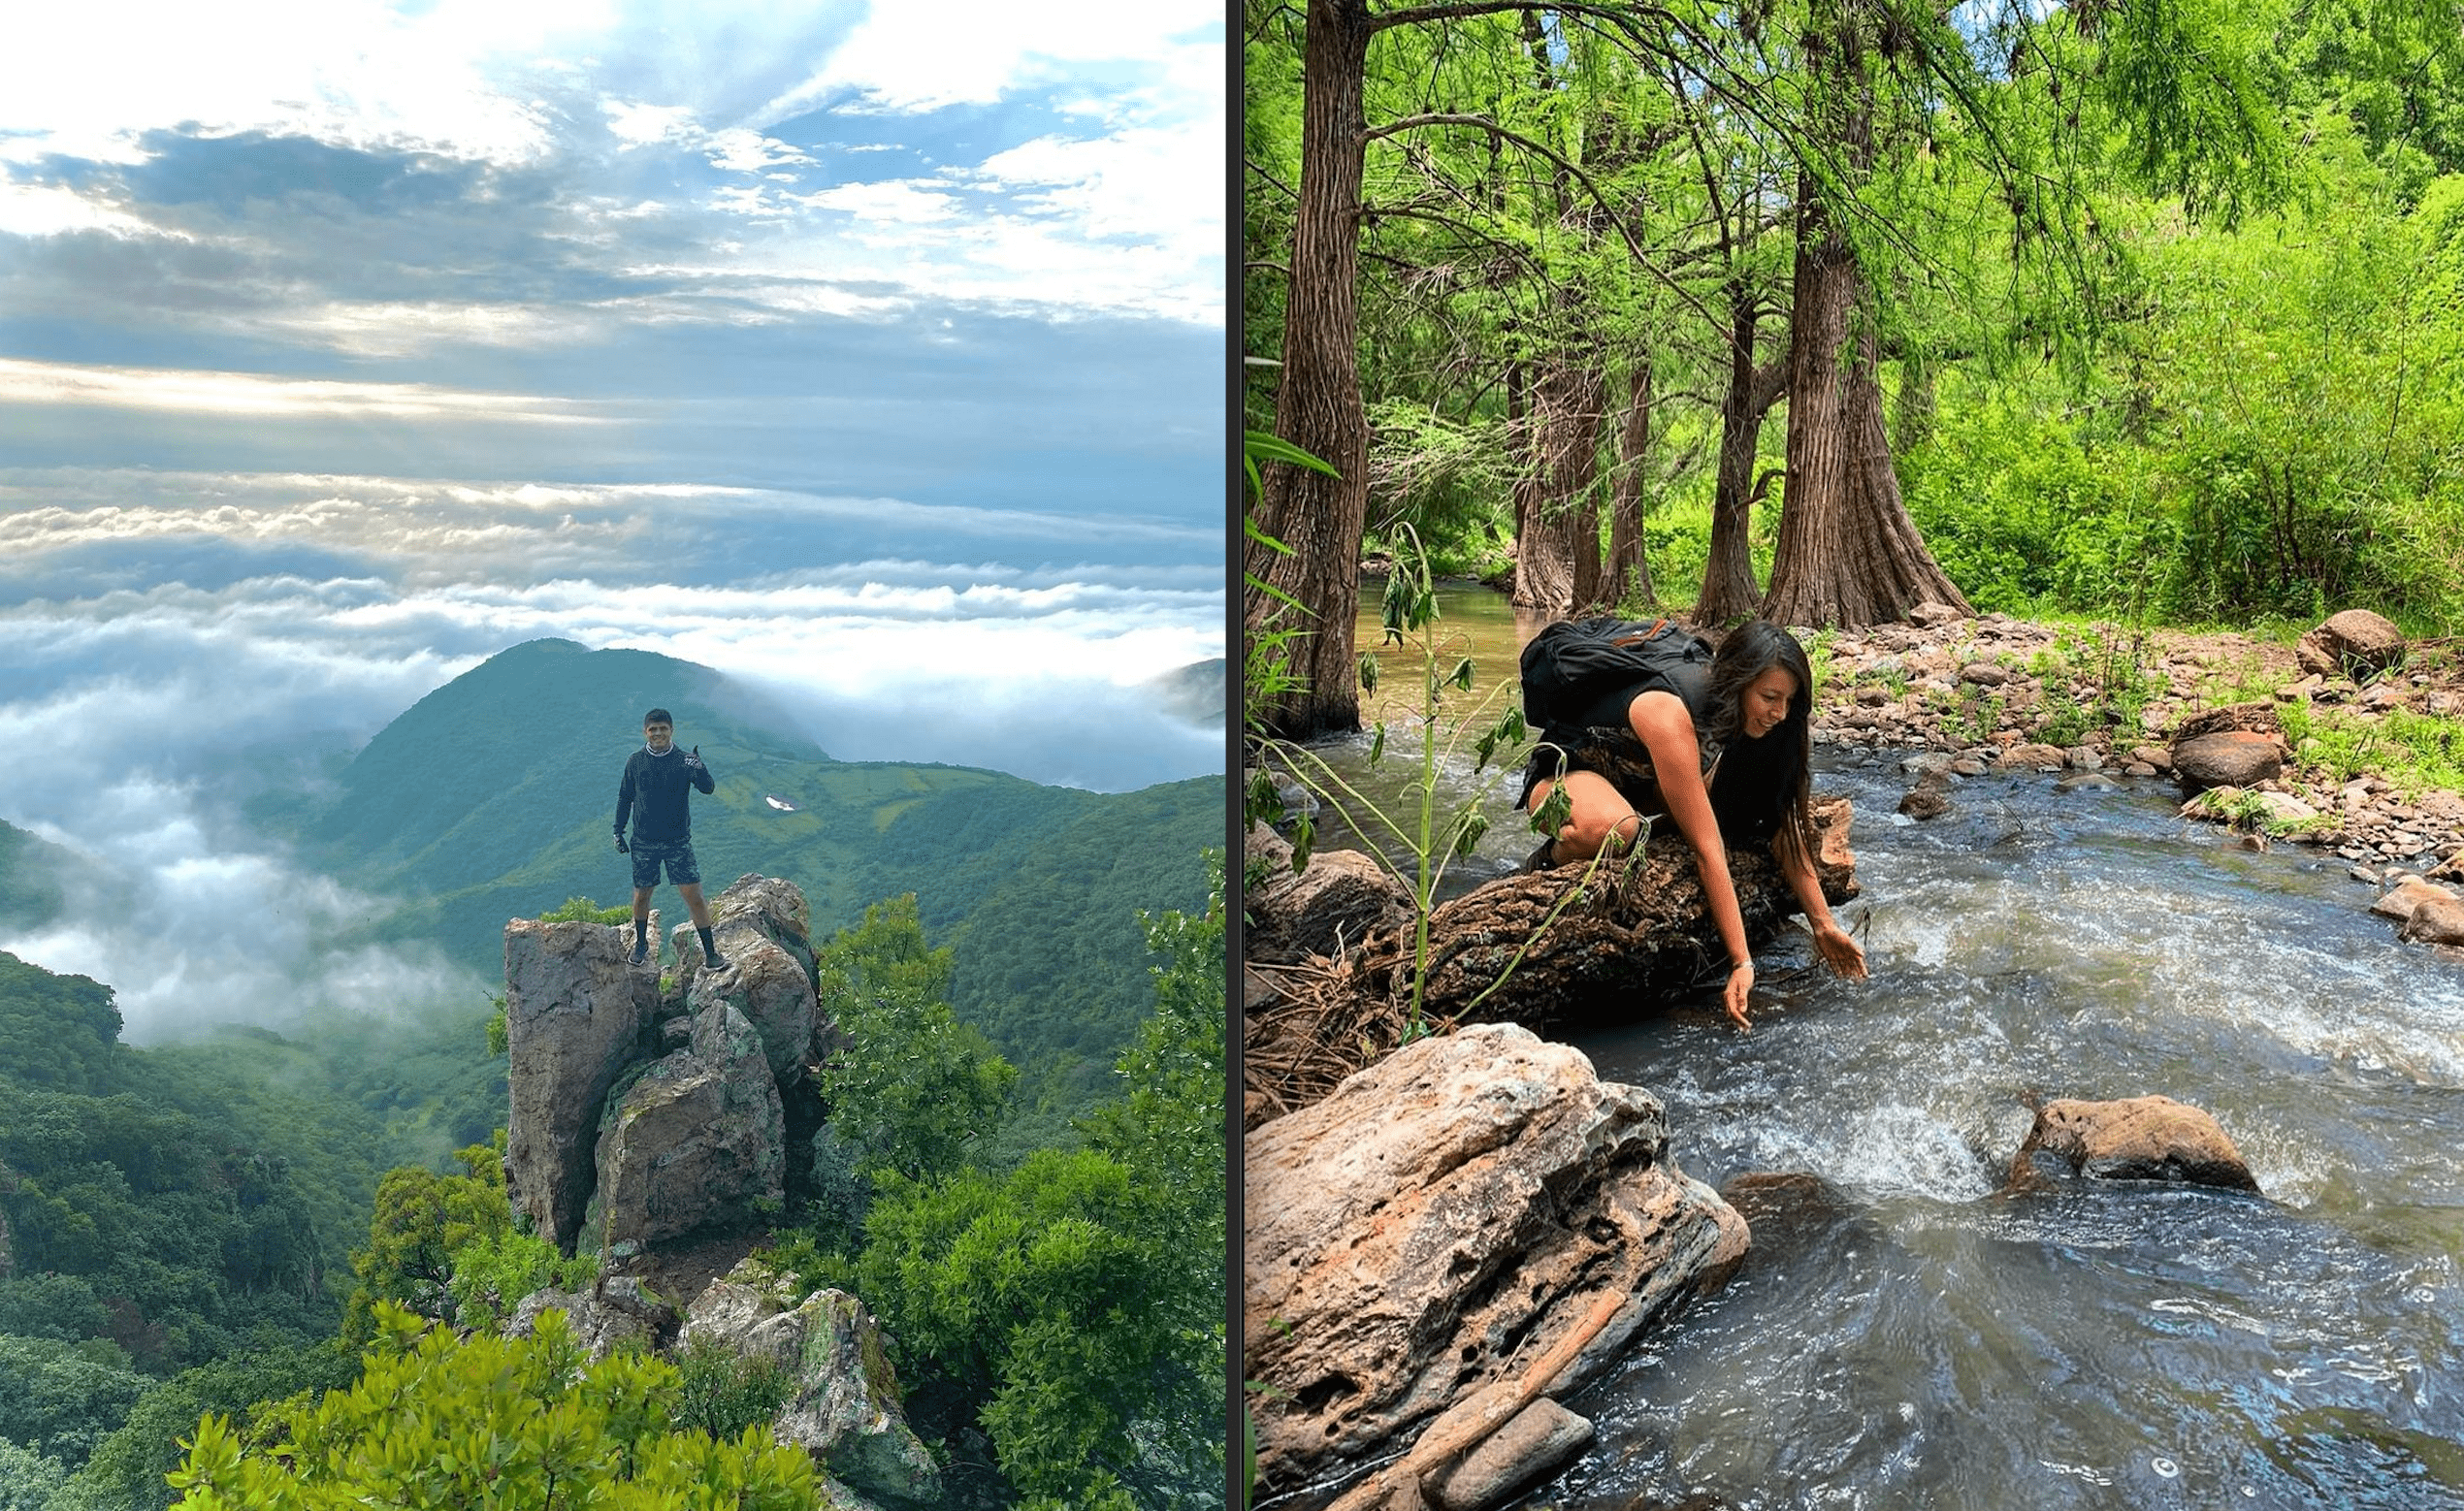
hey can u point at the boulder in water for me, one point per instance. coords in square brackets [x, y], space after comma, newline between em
[2135, 1139]
[2400, 901]
[1438, 1223]
[2437, 921]
[1930, 797]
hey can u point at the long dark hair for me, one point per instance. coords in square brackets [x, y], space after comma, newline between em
[1762, 791]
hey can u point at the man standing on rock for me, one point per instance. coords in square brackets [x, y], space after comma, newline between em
[654, 794]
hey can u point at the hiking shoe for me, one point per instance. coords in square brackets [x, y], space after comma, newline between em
[717, 961]
[641, 952]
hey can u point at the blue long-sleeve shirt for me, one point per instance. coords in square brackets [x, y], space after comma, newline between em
[652, 793]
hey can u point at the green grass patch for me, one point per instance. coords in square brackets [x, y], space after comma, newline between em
[2412, 752]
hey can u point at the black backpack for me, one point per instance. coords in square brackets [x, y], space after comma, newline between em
[1575, 663]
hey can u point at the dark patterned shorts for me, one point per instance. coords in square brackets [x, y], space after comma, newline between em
[677, 857]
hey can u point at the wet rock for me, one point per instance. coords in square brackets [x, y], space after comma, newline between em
[2233, 757]
[1339, 900]
[2437, 921]
[847, 1408]
[1441, 1220]
[1929, 798]
[2136, 1139]
[2083, 757]
[574, 1017]
[697, 1139]
[2355, 643]
[1535, 1444]
[2407, 895]
[2138, 768]
[2087, 781]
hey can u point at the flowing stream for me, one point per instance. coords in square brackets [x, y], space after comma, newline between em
[1916, 1339]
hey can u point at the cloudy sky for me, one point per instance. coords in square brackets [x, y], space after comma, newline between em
[871, 352]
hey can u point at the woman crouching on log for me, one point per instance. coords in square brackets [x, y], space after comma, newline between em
[1725, 749]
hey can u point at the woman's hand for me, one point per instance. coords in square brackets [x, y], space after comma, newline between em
[1740, 984]
[1839, 951]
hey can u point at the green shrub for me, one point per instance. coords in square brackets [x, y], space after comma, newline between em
[583, 910]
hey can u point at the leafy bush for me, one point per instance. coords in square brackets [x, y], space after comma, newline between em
[63, 1398]
[128, 1471]
[437, 1422]
[584, 910]
[724, 1393]
[494, 1272]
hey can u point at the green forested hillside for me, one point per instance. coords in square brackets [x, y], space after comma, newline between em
[495, 797]
[30, 871]
[157, 1211]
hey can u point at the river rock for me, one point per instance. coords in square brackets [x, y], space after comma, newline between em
[575, 1015]
[2256, 718]
[2028, 756]
[2233, 757]
[2402, 900]
[2438, 920]
[2136, 1139]
[846, 1408]
[1929, 798]
[1442, 1219]
[1933, 613]
[1342, 897]
[697, 1139]
[1535, 1444]
[2355, 643]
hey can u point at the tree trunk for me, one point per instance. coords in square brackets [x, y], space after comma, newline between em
[1913, 407]
[1318, 407]
[1848, 553]
[1628, 571]
[1556, 522]
[1729, 589]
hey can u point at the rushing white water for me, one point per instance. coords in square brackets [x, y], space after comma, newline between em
[1925, 1341]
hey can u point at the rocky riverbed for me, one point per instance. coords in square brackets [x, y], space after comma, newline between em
[1997, 694]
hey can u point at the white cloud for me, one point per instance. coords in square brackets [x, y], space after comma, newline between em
[898, 202]
[909, 57]
[640, 125]
[50, 209]
[252, 394]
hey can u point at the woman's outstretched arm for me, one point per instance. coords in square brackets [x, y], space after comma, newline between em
[1666, 730]
[1833, 942]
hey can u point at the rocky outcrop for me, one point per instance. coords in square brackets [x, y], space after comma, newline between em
[1341, 899]
[669, 1109]
[575, 1016]
[769, 987]
[2232, 757]
[1440, 1221]
[619, 1314]
[697, 1139]
[2355, 643]
[846, 1408]
[2137, 1138]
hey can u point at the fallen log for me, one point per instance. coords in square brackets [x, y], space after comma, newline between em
[1556, 951]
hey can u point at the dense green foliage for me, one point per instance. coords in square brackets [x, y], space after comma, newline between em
[437, 1421]
[30, 871]
[915, 1089]
[129, 1468]
[1070, 1309]
[2173, 342]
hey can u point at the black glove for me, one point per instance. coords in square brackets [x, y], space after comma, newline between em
[620, 844]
